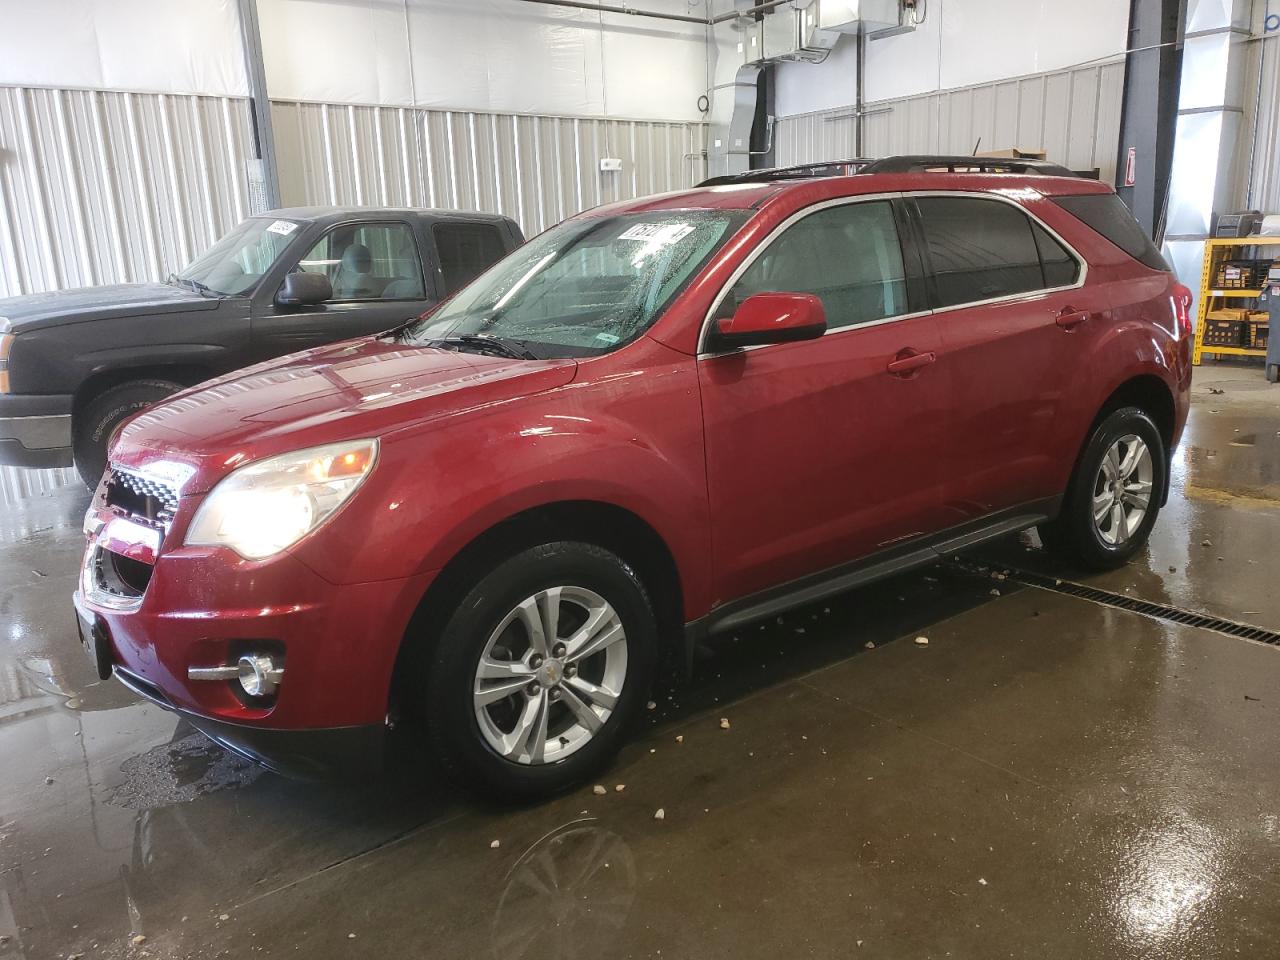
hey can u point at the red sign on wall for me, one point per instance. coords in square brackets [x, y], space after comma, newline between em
[1131, 168]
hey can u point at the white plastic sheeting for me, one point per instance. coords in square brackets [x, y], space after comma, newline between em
[153, 46]
[499, 56]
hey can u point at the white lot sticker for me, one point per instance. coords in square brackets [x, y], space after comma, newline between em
[282, 227]
[662, 233]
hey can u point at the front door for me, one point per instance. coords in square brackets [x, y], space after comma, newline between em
[376, 273]
[818, 452]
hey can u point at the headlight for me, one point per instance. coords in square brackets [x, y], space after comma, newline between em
[269, 505]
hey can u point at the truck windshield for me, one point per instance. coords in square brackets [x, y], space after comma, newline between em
[236, 263]
[584, 287]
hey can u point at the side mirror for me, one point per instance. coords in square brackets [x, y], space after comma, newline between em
[770, 318]
[304, 290]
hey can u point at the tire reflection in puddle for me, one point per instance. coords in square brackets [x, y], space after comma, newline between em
[568, 896]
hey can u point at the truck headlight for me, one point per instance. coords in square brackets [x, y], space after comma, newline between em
[269, 505]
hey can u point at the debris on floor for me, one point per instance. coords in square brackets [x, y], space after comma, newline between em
[870, 644]
[724, 723]
[619, 788]
[495, 844]
[679, 738]
[599, 790]
[660, 814]
[922, 641]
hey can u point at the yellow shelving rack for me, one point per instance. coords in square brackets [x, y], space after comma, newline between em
[1215, 251]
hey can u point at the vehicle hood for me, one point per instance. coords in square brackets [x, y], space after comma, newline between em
[37, 310]
[360, 388]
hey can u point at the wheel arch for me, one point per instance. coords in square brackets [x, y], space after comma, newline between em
[1151, 394]
[99, 382]
[612, 527]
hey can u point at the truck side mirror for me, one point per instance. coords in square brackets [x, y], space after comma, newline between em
[304, 290]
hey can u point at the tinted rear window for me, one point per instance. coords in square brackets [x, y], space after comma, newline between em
[466, 250]
[1107, 214]
[979, 249]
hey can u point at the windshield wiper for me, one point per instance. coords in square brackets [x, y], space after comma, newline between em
[484, 343]
[203, 289]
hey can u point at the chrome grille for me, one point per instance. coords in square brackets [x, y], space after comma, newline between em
[141, 498]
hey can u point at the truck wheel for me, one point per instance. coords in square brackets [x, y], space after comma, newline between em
[1114, 495]
[540, 671]
[98, 420]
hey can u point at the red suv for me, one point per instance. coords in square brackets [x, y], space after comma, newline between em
[658, 420]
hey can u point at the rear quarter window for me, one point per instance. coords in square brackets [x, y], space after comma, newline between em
[1106, 214]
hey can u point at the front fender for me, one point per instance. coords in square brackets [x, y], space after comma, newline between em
[634, 443]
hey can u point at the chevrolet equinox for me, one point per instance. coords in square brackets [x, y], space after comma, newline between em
[659, 420]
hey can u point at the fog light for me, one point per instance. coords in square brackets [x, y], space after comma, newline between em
[258, 675]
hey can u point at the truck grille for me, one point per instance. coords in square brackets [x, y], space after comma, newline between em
[141, 498]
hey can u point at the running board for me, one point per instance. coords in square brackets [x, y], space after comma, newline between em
[878, 566]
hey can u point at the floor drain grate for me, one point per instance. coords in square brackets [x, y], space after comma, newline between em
[1159, 611]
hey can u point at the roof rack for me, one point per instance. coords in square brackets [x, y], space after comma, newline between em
[905, 164]
[926, 163]
[801, 171]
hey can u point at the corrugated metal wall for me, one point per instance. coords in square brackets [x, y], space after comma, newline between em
[1073, 114]
[100, 187]
[535, 169]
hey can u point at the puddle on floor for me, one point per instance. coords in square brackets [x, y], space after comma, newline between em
[180, 771]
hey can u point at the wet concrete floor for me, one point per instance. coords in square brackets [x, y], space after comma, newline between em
[1048, 777]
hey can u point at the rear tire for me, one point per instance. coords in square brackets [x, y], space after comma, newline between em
[100, 417]
[507, 714]
[1113, 498]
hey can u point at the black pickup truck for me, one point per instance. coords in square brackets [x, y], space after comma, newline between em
[75, 363]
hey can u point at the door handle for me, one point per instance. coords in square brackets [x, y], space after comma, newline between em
[907, 361]
[1068, 318]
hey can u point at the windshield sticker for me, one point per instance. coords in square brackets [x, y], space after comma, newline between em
[607, 338]
[282, 227]
[660, 233]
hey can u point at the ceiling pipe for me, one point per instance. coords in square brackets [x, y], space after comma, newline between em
[630, 11]
[655, 15]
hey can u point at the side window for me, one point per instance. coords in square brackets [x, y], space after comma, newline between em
[979, 249]
[368, 261]
[1060, 267]
[466, 250]
[848, 256]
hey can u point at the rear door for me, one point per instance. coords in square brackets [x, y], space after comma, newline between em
[1013, 321]
[376, 271]
[465, 249]
[816, 453]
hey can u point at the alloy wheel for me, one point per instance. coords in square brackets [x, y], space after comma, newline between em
[1122, 490]
[550, 675]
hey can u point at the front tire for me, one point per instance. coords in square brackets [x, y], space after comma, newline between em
[98, 421]
[541, 670]
[1114, 495]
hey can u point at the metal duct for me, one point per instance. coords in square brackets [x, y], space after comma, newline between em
[804, 31]
[1210, 105]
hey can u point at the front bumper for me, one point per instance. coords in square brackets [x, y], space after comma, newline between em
[205, 607]
[35, 431]
[314, 754]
